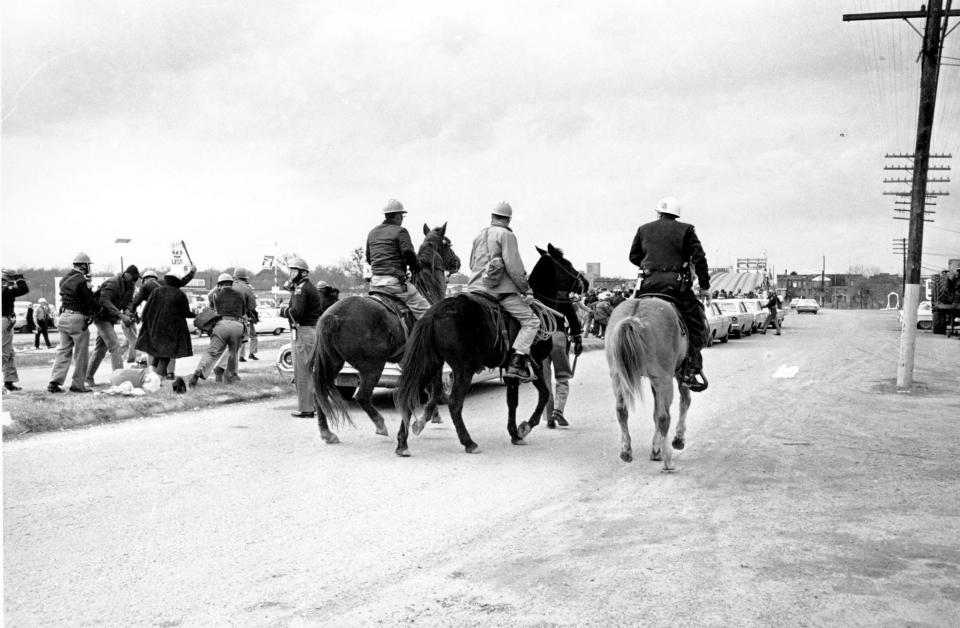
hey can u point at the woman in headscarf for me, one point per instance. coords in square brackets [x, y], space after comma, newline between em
[164, 335]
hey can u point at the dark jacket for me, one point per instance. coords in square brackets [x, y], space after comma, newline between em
[249, 300]
[113, 296]
[306, 306]
[76, 295]
[228, 301]
[390, 251]
[164, 333]
[668, 245]
[11, 293]
[773, 303]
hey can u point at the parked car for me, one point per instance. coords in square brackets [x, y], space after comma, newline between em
[924, 315]
[810, 306]
[755, 307]
[20, 310]
[719, 323]
[742, 321]
[271, 322]
[348, 380]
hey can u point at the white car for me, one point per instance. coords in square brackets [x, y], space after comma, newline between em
[924, 315]
[271, 322]
[742, 321]
[348, 380]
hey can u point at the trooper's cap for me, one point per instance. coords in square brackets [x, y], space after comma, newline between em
[81, 258]
[240, 273]
[149, 273]
[669, 205]
[394, 207]
[503, 209]
[224, 278]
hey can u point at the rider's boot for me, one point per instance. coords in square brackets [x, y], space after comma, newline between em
[692, 372]
[520, 368]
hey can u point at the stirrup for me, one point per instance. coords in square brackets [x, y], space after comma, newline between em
[696, 381]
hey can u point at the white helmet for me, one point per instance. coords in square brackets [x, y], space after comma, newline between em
[669, 205]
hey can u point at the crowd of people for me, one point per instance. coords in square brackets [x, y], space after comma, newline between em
[665, 250]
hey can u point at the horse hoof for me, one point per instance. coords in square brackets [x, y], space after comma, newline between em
[523, 429]
[416, 427]
[472, 448]
[330, 439]
[626, 456]
[518, 441]
[403, 453]
[382, 430]
[655, 456]
[678, 444]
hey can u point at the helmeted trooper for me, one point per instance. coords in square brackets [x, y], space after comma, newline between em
[304, 312]
[669, 253]
[390, 253]
[497, 269]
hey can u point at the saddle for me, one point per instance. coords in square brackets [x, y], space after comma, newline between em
[396, 307]
[500, 335]
[672, 301]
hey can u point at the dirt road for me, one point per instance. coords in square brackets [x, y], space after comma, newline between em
[821, 499]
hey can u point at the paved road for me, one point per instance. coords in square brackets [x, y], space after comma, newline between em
[821, 499]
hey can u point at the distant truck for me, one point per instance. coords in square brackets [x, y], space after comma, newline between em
[945, 296]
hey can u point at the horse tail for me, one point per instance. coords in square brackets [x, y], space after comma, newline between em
[421, 361]
[627, 351]
[329, 400]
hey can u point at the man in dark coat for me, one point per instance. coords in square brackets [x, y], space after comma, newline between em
[113, 297]
[306, 307]
[164, 335]
[666, 250]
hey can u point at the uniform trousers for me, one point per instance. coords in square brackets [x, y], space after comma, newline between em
[75, 340]
[303, 346]
[106, 341]
[557, 364]
[226, 335]
[130, 342]
[252, 343]
[406, 292]
[9, 356]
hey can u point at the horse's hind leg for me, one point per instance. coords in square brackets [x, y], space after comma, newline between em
[461, 385]
[662, 398]
[402, 449]
[435, 389]
[678, 438]
[513, 399]
[623, 414]
[369, 376]
[328, 437]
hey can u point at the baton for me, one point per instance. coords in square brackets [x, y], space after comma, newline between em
[573, 369]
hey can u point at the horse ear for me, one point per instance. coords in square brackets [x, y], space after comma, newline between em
[443, 229]
[554, 252]
[539, 250]
[426, 229]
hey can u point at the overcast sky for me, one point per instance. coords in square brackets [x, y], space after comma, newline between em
[248, 128]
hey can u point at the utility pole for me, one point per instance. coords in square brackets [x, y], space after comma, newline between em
[823, 271]
[929, 75]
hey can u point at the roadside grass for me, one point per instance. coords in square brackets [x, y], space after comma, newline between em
[37, 411]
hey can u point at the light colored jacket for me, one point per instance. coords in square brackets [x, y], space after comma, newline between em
[497, 242]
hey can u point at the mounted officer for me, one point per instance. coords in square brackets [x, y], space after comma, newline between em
[390, 252]
[497, 269]
[667, 250]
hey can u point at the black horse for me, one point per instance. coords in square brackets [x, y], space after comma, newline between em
[459, 331]
[362, 331]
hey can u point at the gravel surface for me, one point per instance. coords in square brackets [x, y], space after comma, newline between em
[821, 499]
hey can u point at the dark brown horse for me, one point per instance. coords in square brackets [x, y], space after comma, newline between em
[459, 331]
[644, 340]
[363, 332]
